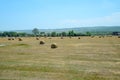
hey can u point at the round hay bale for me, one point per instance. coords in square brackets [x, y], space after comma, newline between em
[9, 38]
[37, 38]
[61, 37]
[42, 42]
[78, 37]
[13, 38]
[54, 45]
[20, 39]
[118, 36]
[92, 36]
[100, 36]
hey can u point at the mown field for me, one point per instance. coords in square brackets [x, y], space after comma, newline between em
[74, 59]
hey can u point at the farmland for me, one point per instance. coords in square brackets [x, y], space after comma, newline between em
[75, 59]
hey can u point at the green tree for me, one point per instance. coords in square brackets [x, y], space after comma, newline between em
[35, 31]
[42, 34]
[88, 33]
[0, 33]
[71, 33]
[48, 34]
[4, 34]
[63, 34]
[22, 34]
[13, 34]
[53, 34]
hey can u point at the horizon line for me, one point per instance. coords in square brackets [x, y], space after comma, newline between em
[60, 28]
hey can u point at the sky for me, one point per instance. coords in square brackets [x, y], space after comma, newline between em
[55, 14]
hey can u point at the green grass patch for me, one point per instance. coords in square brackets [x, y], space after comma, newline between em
[24, 45]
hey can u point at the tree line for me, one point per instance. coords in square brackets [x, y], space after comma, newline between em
[14, 34]
[37, 33]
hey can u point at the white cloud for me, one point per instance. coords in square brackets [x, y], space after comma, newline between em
[110, 20]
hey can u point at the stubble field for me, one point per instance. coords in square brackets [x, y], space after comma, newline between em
[75, 59]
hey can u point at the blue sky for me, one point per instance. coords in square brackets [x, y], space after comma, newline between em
[49, 14]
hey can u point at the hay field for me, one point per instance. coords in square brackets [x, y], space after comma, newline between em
[75, 59]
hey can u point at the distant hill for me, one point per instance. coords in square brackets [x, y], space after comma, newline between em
[80, 29]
